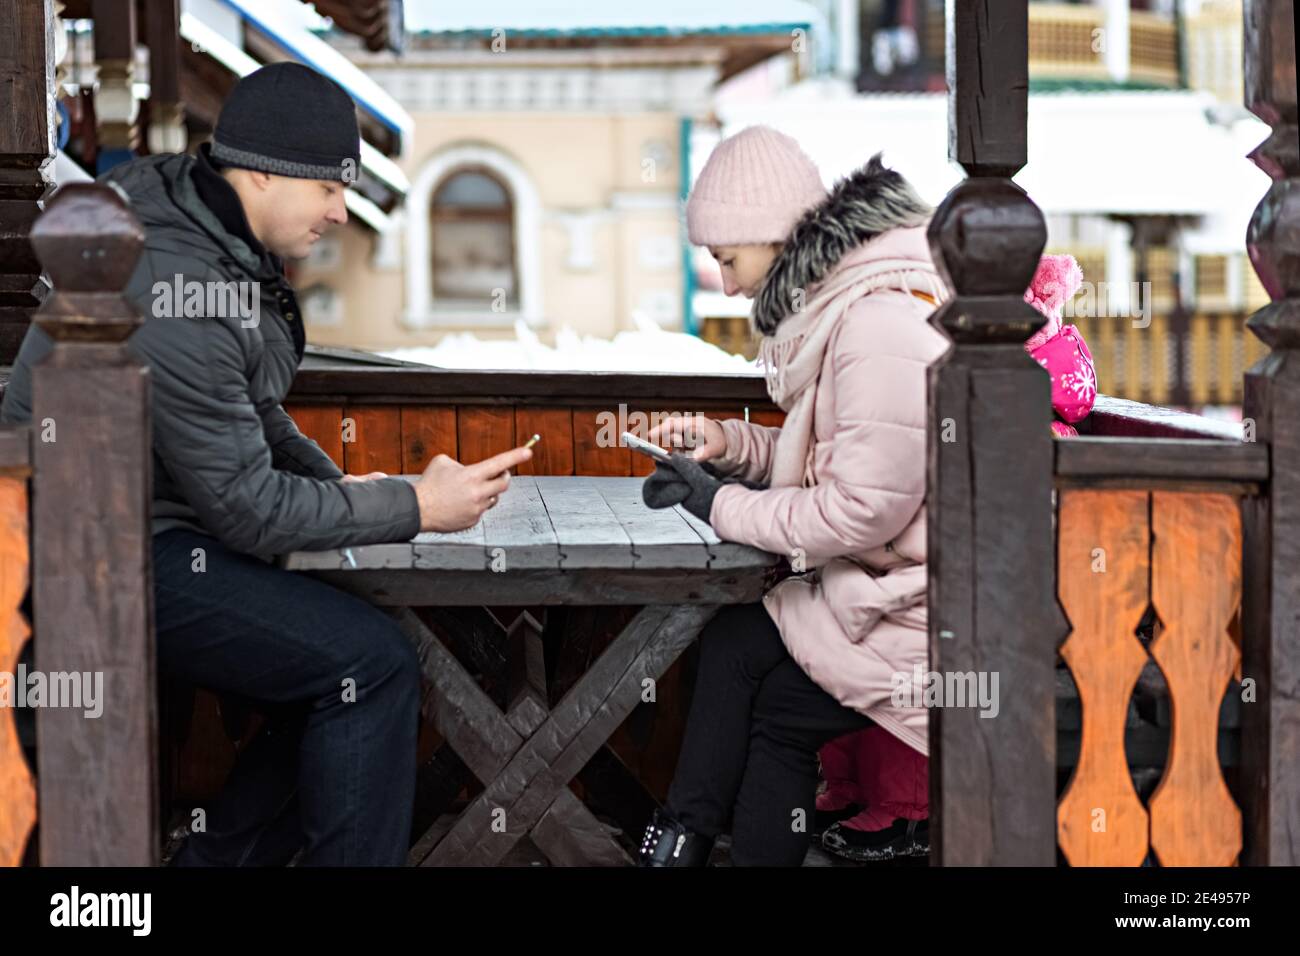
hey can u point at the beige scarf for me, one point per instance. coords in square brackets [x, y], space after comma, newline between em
[792, 357]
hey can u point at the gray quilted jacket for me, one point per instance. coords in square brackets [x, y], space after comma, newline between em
[227, 459]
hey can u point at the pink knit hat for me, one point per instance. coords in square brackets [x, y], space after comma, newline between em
[753, 189]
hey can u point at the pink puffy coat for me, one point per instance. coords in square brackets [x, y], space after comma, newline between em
[860, 620]
[1060, 348]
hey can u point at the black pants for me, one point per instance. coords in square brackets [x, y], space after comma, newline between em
[333, 771]
[750, 751]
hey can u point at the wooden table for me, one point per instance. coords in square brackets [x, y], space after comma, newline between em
[549, 541]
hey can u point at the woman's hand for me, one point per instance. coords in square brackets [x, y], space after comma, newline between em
[704, 435]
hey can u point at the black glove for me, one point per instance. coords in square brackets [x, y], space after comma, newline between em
[689, 483]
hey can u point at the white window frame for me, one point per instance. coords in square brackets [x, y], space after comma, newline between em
[526, 204]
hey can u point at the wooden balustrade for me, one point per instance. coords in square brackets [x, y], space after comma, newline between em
[1152, 524]
[1065, 41]
[1158, 515]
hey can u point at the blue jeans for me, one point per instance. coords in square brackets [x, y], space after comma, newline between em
[333, 770]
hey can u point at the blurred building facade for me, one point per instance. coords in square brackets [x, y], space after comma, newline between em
[545, 167]
[1138, 146]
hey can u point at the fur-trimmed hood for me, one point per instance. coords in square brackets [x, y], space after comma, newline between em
[859, 208]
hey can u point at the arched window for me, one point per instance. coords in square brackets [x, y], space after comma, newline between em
[473, 225]
[472, 242]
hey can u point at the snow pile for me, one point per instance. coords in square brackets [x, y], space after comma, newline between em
[647, 348]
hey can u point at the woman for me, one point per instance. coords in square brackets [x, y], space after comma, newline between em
[842, 285]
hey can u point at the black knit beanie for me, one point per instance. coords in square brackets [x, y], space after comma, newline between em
[290, 120]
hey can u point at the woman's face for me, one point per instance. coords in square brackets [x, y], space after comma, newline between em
[744, 267]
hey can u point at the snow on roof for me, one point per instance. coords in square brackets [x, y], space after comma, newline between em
[613, 17]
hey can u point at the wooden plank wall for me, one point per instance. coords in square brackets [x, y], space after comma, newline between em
[401, 438]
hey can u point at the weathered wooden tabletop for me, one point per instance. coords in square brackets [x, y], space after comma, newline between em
[555, 540]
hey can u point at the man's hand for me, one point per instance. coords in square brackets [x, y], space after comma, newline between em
[453, 496]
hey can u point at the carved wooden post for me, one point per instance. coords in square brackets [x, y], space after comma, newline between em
[27, 127]
[92, 551]
[989, 505]
[1270, 730]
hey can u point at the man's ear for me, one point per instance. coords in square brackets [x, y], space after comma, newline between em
[260, 179]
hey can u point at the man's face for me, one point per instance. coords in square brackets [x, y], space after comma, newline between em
[294, 213]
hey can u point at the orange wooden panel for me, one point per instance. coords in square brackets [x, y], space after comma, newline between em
[484, 430]
[596, 448]
[1102, 572]
[775, 417]
[323, 424]
[374, 440]
[1196, 589]
[17, 789]
[553, 455]
[427, 431]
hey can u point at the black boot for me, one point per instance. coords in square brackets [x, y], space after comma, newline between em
[899, 839]
[668, 843]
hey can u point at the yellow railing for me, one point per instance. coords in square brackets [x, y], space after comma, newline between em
[1068, 42]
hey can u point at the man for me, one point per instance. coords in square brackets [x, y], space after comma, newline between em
[236, 483]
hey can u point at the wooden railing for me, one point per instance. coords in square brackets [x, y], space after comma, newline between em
[1152, 525]
[1157, 554]
[1066, 41]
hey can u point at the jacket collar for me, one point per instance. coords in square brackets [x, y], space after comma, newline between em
[244, 250]
[222, 200]
[862, 207]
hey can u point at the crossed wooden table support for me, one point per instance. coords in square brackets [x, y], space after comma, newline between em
[549, 541]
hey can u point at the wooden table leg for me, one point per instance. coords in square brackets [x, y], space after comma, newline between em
[486, 739]
[537, 773]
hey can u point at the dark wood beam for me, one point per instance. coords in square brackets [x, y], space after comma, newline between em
[989, 503]
[92, 596]
[27, 137]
